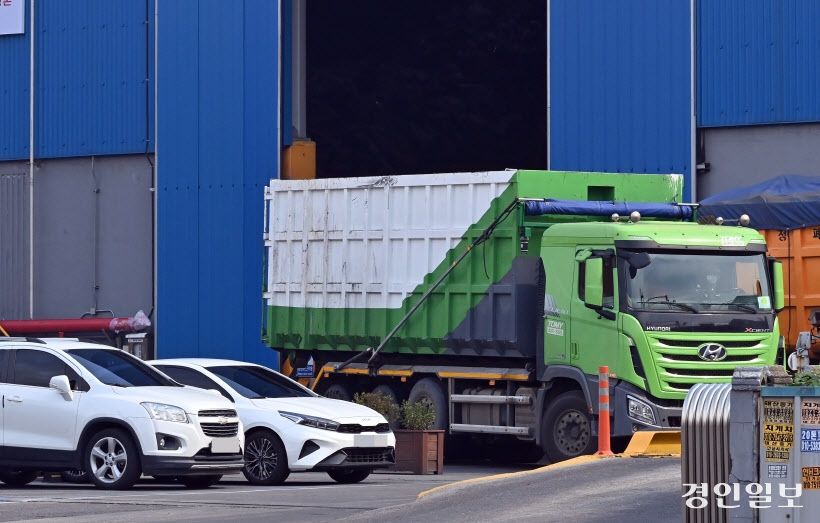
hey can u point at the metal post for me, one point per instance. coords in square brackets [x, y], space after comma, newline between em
[604, 448]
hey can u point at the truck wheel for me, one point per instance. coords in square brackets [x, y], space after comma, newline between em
[18, 478]
[112, 460]
[429, 392]
[348, 475]
[338, 392]
[266, 461]
[566, 429]
[388, 392]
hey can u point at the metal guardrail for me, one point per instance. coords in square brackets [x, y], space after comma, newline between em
[705, 447]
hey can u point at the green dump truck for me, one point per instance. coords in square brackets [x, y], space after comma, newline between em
[496, 296]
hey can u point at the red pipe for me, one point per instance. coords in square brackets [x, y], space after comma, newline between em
[20, 327]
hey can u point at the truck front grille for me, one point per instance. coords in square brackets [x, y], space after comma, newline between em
[220, 430]
[679, 367]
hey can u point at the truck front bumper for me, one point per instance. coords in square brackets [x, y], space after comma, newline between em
[635, 410]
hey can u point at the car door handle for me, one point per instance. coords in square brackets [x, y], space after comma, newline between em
[15, 399]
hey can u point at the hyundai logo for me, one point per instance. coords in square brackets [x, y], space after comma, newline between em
[712, 352]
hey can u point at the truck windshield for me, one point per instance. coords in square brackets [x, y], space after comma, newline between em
[700, 283]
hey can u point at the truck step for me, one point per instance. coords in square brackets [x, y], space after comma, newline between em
[474, 398]
[489, 429]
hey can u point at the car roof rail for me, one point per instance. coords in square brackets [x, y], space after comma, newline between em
[21, 338]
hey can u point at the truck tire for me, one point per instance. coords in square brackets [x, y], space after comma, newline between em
[566, 428]
[338, 391]
[429, 392]
[111, 449]
[18, 478]
[388, 392]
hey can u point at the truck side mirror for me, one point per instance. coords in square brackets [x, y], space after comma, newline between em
[776, 268]
[594, 282]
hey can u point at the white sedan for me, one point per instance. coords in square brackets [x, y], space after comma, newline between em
[288, 427]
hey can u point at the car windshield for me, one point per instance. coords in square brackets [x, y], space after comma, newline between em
[117, 368]
[258, 382]
[700, 283]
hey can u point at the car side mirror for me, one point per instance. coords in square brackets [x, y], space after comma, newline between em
[61, 385]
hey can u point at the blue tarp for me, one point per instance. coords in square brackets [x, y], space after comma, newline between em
[787, 202]
[585, 208]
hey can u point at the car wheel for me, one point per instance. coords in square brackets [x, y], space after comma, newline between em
[266, 462]
[200, 481]
[566, 429]
[74, 476]
[348, 475]
[18, 478]
[112, 460]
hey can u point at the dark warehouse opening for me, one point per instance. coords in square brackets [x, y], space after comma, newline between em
[426, 87]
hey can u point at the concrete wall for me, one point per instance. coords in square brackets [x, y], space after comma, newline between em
[743, 156]
[82, 238]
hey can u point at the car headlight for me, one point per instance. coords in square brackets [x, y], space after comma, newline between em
[165, 412]
[640, 411]
[310, 421]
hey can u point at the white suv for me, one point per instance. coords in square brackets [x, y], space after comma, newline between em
[69, 404]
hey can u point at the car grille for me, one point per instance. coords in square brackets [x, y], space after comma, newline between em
[369, 455]
[220, 430]
[227, 413]
[355, 428]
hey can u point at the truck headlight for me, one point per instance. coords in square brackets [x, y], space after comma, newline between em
[165, 412]
[310, 421]
[640, 411]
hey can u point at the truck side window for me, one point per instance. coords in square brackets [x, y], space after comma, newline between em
[609, 282]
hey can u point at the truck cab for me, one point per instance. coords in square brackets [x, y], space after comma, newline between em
[664, 305]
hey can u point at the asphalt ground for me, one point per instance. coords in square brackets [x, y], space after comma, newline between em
[612, 489]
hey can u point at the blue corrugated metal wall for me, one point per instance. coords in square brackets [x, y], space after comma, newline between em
[758, 62]
[14, 99]
[217, 149]
[620, 86]
[92, 92]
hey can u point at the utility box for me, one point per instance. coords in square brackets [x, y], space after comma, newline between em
[789, 481]
[138, 345]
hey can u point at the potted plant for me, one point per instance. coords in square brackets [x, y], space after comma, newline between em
[419, 449]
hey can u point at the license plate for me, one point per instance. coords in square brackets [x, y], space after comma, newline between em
[370, 440]
[225, 445]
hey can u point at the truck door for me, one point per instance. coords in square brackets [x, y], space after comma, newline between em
[593, 329]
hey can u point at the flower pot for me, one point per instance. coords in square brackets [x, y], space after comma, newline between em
[419, 451]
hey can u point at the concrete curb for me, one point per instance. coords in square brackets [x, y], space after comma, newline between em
[643, 444]
[567, 463]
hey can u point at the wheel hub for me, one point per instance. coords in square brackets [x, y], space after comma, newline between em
[573, 432]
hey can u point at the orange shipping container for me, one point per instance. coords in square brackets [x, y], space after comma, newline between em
[799, 250]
